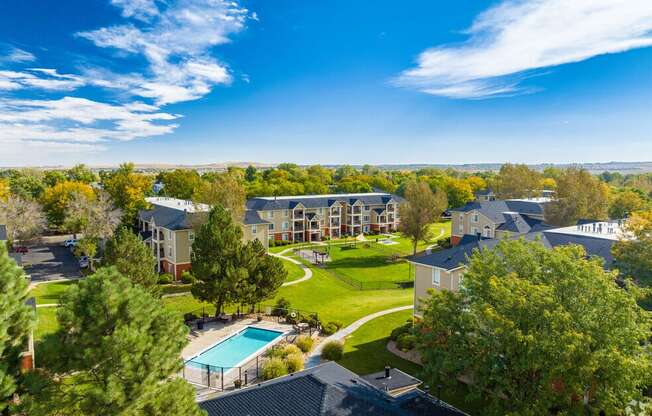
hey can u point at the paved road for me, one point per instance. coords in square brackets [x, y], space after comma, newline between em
[50, 262]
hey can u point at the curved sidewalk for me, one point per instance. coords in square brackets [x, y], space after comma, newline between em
[315, 356]
[307, 273]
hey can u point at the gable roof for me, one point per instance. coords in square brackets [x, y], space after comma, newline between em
[327, 389]
[170, 218]
[251, 217]
[318, 201]
[494, 210]
[457, 256]
[521, 224]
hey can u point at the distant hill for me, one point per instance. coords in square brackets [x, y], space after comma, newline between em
[622, 167]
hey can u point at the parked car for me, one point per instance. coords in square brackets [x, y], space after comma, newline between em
[70, 243]
[83, 262]
[21, 249]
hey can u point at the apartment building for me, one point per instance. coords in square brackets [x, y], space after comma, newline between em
[167, 229]
[315, 217]
[444, 270]
[497, 219]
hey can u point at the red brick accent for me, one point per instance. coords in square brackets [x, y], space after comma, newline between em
[27, 362]
[180, 268]
[167, 267]
[278, 236]
[455, 240]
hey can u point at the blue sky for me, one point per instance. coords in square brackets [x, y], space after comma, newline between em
[200, 81]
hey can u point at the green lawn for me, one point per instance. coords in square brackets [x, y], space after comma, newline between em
[50, 292]
[333, 299]
[365, 352]
[46, 322]
[294, 270]
[367, 262]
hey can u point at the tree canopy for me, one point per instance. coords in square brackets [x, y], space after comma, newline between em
[122, 348]
[534, 330]
[16, 322]
[421, 208]
[579, 196]
[128, 190]
[517, 181]
[132, 258]
[633, 252]
[57, 198]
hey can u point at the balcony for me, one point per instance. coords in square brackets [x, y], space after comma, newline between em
[356, 210]
[356, 221]
[298, 227]
[298, 215]
[335, 212]
[335, 223]
[314, 225]
[390, 208]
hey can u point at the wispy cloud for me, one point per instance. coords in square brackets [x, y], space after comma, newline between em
[516, 37]
[176, 42]
[10, 53]
[175, 38]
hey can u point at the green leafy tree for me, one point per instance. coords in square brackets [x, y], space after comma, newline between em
[533, 329]
[122, 349]
[626, 202]
[128, 190]
[26, 183]
[57, 198]
[53, 177]
[80, 173]
[218, 260]
[250, 173]
[16, 322]
[132, 258]
[633, 252]
[226, 190]
[516, 181]
[180, 183]
[265, 275]
[421, 208]
[579, 196]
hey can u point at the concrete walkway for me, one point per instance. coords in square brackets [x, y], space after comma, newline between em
[315, 356]
[431, 246]
[307, 273]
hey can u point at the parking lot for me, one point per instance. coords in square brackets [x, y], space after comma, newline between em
[50, 261]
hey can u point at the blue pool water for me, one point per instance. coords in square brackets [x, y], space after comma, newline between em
[235, 349]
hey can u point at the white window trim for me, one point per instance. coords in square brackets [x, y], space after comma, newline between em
[436, 277]
[254, 229]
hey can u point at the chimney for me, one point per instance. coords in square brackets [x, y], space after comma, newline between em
[387, 368]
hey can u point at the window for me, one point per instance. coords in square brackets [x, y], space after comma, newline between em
[286, 237]
[366, 207]
[191, 236]
[170, 251]
[286, 213]
[254, 229]
[169, 235]
[321, 211]
[270, 215]
[365, 218]
[476, 217]
[271, 227]
[285, 225]
[365, 229]
[436, 277]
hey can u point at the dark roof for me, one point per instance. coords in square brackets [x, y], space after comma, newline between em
[3, 232]
[170, 218]
[379, 210]
[327, 389]
[317, 201]
[454, 257]
[494, 210]
[251, 217]
[397, 380]
[521, 224]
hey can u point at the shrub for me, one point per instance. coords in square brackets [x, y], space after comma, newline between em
[165, 279]
[406, 342]
[276, 351]
[401, 330]
[290, 349]
[190, 317]
[332, 350]
[273, 368]
[294, 362]
[338, 324]
[187, 277]
[329, 329]
[312, 320]
[281, 307]
[305, 343]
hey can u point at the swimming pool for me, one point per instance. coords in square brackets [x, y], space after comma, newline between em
[236, 349]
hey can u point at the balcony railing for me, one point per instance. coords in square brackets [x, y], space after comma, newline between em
[356, 210]
[314, 226]
[298, 227]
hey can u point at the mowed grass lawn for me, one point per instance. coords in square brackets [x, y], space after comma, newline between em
[365, 352]
[49, 293]
[368, 262]
[294, 270]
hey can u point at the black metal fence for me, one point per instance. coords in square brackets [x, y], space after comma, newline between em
[224, 378]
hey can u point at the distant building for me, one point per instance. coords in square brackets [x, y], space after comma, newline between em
[445, 269]
[157, 187]
[330, 390]
[485, 195]
[498, 219]
[168, 229]
[314, 217]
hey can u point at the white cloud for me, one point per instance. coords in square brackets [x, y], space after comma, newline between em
[42, 78]
[73, 119]
[516, 37]
[13, 54]
[176, 42]
[139, 9]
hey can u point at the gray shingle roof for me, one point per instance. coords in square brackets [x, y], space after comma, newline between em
[494, 210]
[454, 257]
[521, 224]
[317, 201]
[176, 219]
[397, 380]
[327, 389]
[251, 217]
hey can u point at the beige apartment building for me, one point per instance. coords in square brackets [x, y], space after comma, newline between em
[316, 217]
[167, 229]
[497, 219]
[444, 270]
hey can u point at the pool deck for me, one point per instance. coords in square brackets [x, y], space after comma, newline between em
[214, 332]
